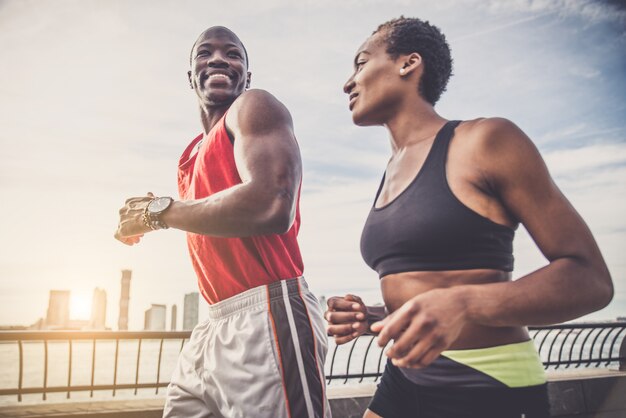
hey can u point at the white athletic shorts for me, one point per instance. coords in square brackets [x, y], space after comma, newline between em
[260, 354]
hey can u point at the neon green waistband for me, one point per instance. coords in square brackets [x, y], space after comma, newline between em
[515, 365]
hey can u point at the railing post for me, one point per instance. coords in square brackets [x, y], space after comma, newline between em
[137, 369]
[117, 350]
[622, 355]
[45, 369]
[21, 378]
[69, 371]
[156, 391]
[93, 366]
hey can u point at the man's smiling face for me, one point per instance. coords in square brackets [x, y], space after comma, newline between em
[218, 67]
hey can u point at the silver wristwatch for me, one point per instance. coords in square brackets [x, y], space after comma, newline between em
[154, 210]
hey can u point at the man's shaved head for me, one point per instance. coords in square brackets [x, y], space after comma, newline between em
[219, 31]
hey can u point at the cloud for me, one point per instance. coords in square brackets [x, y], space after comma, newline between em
[496, 28]
[592, 11]
[585, 72]
[578, 161]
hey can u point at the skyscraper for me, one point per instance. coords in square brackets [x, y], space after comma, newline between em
[173, 324]
[58, 315]
[190, 311]
[122, 323]
[154, 318]
[98, 309]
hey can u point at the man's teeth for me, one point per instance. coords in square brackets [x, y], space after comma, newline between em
[218, 75]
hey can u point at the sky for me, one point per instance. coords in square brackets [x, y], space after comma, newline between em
[95, 107]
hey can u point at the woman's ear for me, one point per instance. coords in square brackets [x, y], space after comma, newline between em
[410, 63]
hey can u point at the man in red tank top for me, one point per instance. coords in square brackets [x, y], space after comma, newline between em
[261, 351]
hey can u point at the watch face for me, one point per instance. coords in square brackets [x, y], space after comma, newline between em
[159, 204]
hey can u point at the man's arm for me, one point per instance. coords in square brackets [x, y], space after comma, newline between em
[348, 317]
[268, 161]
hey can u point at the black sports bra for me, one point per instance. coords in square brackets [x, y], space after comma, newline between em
[427, 228]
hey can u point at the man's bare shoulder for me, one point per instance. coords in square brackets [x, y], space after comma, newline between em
[257, 110]
[257, 97]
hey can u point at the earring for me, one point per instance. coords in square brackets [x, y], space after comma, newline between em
[401, 71]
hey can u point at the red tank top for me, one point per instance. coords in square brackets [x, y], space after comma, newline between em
[228, 266]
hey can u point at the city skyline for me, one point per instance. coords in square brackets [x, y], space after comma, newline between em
[59, 317]
[103, 111]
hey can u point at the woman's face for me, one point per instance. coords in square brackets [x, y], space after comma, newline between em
[375, 88]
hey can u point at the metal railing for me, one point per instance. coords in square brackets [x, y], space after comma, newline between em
[559, 346]
[586, 345]
[22, 337]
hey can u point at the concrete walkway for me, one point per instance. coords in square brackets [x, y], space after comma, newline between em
[583, 393]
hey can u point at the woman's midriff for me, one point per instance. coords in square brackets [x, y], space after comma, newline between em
[399, 288]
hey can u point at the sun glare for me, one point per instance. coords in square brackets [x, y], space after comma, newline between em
[80, 306]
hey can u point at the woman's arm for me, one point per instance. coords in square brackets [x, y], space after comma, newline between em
[575, 282]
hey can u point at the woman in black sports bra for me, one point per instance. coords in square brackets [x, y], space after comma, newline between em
[440, 235]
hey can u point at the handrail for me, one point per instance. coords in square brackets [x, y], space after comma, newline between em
[90, 335]
[559, 346]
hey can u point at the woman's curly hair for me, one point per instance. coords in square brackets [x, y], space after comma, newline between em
[406, 35]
